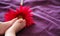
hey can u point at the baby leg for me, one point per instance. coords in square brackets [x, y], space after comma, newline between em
[5, 25]
[17, 26]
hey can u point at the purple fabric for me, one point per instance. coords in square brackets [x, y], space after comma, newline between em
[46, 16]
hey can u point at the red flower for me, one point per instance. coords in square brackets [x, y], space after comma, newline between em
[23, 11]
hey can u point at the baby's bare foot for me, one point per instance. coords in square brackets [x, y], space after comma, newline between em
[17, 26]
[21, 23]
[5, 25]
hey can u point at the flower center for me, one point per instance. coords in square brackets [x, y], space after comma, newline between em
[19, 17]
